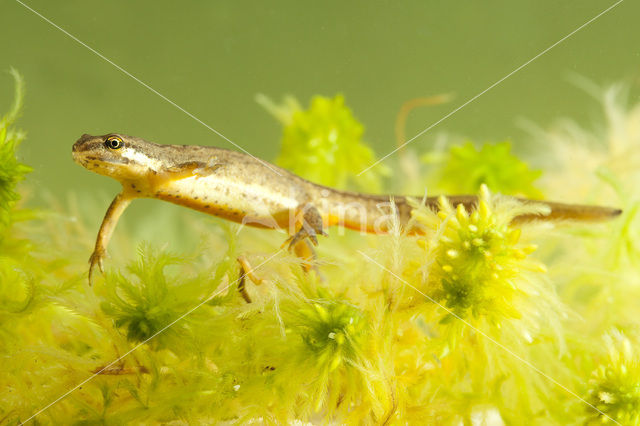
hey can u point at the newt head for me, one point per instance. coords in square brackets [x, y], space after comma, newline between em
[118, 156]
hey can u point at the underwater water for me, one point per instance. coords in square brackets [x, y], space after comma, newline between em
[476, 321]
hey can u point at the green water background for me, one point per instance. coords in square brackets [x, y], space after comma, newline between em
[213, 57]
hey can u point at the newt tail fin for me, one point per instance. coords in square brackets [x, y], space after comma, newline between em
[570, 212]
[556, 212]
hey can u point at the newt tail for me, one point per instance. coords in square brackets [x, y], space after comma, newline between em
[369, 213]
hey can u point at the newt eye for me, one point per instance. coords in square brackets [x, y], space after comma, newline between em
[113, 142]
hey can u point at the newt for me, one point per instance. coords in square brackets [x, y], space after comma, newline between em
[241, 188]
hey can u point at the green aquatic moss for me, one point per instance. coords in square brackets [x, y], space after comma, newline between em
[12, 170]
[147, 299]
[324, 143]
[614, 386]
[464, 168]
[475, 321]
[17, 269]
[478, 258]
[332, 332]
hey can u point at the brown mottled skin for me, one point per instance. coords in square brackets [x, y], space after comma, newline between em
[244, 189]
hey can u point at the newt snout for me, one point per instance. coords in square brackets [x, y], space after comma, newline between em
[86, 143]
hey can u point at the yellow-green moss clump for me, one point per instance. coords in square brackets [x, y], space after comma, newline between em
[477, 321]
[12, 171]
[464, 168]
[324, 143]
[477, 264]
[614, 387]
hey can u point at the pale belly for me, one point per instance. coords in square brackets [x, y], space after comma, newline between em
[231, 199]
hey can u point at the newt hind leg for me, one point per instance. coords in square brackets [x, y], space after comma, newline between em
[246, 270]
[302, 241]
[304, 250]
[310, 224]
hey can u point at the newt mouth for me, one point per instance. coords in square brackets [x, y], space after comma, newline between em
[80, 159]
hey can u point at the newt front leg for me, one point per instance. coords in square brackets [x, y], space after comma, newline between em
[115, 210]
